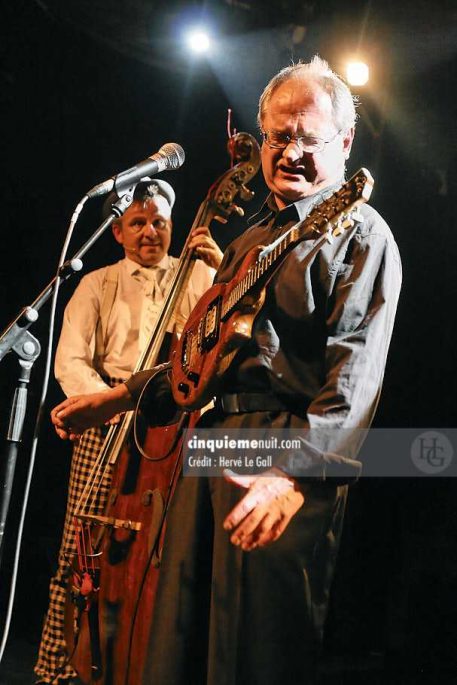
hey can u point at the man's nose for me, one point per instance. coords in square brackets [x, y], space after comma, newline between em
[150, 228]
[293, 152]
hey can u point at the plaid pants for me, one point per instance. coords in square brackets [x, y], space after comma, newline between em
[52, 654]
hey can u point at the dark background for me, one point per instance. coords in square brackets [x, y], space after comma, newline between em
[88, 89]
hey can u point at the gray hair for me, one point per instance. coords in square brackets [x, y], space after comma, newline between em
[318, 70]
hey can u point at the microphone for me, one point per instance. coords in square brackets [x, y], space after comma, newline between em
[170, 156]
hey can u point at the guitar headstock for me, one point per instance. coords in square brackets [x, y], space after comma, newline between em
[339, 212]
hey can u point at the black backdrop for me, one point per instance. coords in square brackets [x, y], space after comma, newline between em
[84, 95]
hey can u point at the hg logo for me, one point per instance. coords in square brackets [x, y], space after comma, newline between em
[432, 452]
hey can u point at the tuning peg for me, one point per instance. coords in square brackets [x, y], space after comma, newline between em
[356, 215]
[236, 209]
[329, 232]
[219, 218]
[245, 193]
[343, 223]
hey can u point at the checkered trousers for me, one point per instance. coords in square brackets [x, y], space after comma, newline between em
[52, 654]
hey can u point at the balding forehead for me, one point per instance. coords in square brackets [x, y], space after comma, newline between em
[298, 95]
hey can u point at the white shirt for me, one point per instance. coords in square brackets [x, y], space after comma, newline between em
[136, 306]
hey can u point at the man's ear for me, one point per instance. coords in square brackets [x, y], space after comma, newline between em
[347, 142]
[117, 232]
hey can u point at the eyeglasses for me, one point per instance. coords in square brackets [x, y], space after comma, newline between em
[280, 141]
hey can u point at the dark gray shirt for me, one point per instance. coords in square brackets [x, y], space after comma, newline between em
[323, 334]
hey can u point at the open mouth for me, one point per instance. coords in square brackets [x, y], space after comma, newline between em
[293, 171]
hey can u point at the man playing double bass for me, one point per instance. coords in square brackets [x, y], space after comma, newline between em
[107, 323]
[245, 579]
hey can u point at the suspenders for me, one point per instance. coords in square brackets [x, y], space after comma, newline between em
[106, 305]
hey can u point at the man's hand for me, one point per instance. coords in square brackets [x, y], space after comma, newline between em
[206, 248]
[73, 416]
[265, 511]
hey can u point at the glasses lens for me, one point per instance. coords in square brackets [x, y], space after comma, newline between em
[274, 139]
[309, 144]
[278, 139]
[306, 143]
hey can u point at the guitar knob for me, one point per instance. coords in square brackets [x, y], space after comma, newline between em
[194, 377]
[184, 388]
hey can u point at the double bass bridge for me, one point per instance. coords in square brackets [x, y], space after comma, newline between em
[111, 522]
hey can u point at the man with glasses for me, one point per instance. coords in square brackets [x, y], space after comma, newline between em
[107, 324]
[245, 579]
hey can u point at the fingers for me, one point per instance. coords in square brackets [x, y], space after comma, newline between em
[201, 230]
[244, 507]
[264, 513]
[205, 253]
[70, 418]
[206, 248]
[67, 434]
[201, 236]
[254, 531]
[63, 410]
[262, 490]
[63, 434]
[263, 525]
[241, 481]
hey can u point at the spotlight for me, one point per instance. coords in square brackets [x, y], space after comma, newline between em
[198, 41]
[357, 73]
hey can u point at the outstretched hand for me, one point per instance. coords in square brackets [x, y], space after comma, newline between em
[206, 247]
[264, 513]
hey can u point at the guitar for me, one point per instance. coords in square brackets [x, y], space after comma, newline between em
[222, 320]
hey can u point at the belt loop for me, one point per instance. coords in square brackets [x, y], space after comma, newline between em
[230, 404]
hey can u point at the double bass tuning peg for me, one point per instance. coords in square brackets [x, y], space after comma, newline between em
[245, 193]
[236, 209]
[230, 210]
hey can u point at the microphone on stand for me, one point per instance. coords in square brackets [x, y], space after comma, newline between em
[170, 156]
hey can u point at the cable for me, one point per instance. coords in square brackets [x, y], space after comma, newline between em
[38, 421]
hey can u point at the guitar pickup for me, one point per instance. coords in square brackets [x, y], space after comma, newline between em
[209, 332]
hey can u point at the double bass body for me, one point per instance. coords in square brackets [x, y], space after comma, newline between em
[131, 539]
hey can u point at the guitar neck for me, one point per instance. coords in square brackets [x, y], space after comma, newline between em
[330, 218]
[262, 271]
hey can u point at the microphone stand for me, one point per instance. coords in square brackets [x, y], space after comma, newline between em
[17, 338]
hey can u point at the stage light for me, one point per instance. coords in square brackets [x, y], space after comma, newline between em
[198, 41]
[357, 73]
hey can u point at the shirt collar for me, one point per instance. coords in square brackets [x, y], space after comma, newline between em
[296, 211]
[134, 268]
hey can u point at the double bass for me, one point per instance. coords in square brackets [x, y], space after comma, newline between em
[112, 586]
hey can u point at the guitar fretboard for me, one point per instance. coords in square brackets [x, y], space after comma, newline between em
[258, 269]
